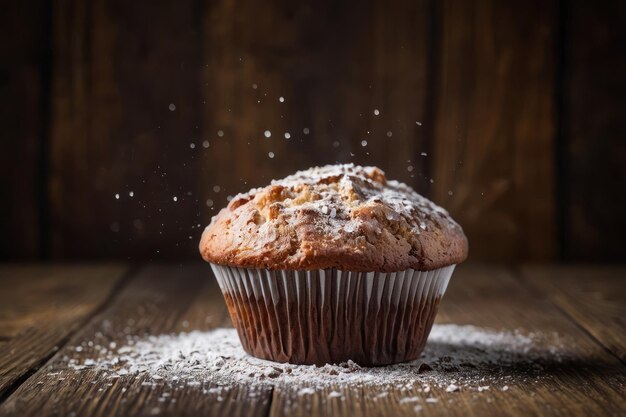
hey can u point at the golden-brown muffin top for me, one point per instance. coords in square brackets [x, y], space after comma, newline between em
[337, 216]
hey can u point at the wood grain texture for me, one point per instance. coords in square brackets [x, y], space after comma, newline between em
[593, 296]
[119, 66]
[495, 125]
[40, 307]
[21, 66]
[159, 300]
[333, 64]
[594, 126]
[585, 380]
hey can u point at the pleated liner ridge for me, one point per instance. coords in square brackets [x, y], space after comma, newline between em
[330, 316]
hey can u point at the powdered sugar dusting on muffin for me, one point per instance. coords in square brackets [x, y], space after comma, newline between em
[343, 216]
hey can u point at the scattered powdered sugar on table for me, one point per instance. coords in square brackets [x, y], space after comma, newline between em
[457, 358]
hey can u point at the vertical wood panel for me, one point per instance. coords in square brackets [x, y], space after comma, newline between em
[118, 68]
[334, 64]
[595, 125]
[22, 50]
[494, 127]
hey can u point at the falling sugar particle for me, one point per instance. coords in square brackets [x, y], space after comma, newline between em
[364, 143]
[450, 192]
[287, 135]
[172, 107]
[117, 196]
[424, 154]
[409, 168]
[306, 130]
[336, 144]
[389, 133]
[432, 181]
[270, 154]
[254, 86]
[209, 203]
[376, 112]
[216, 188]
[131, 194]
[281, 99]
[220, 133]
[175, 198]
[192, 145]
[418, 123]
[205, 144]
[267, 133]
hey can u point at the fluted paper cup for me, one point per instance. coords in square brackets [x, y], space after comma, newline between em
[331, 316]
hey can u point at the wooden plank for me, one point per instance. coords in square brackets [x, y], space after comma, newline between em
[495, 125]
[594, 126]
[118, 67]
[22, 51]
[332, 78]
[159, 301]
[582, 379]
[592, 295]
[40, 307]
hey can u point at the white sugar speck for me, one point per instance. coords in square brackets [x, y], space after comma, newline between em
[270, 154]
[254, 86]
[483, 388]
[172, 106]
[407, 400]
[209, 203]
[452, 388]
[389, 133]
[267, 134]
[205, 144]
[418, 123]
[336, 144]
[376, 112]
[175, 198]
[192, 145]
[306, 130]
[287, 135]
[409, 168]
[220, 133]
[363, 143]
[424, 154]
[281, 99]
[216, 188]
[431, 400]
[306, 391]
[325, 209]
[450, 192]
[131, 194]
[505, 388]
[117, 196]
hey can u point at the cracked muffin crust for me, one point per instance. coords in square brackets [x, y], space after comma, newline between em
[337, 216]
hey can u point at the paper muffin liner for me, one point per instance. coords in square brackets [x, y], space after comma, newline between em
[331, 316]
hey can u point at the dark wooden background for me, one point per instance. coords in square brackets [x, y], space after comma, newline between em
[519, 107]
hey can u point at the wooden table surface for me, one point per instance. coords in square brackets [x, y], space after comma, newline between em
[45, 311]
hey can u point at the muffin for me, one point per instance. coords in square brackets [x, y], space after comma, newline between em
[331, 264]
